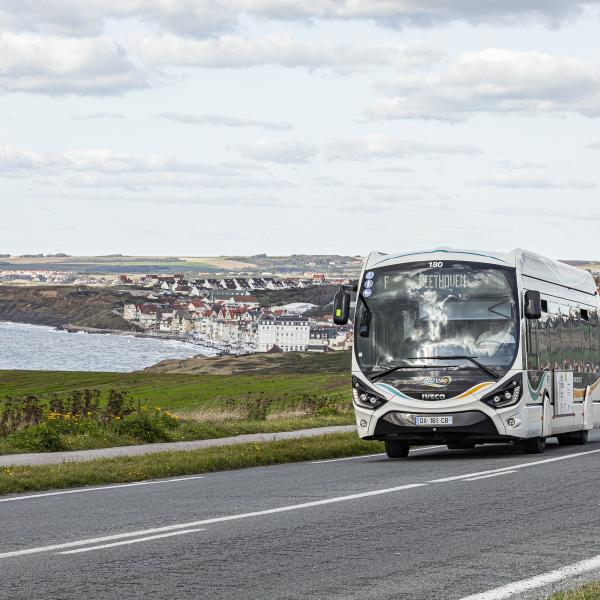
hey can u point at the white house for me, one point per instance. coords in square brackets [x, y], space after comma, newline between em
[130, 312]
[290, 333]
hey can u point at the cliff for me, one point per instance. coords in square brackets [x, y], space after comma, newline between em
[65, 306]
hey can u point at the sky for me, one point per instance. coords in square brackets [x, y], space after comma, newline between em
[236, 127]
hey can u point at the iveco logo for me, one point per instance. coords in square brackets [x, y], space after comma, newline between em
[432, 396]
[437, 381]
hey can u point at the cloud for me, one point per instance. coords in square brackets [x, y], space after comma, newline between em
[496, 81]
[279, 151]
[506, 180]
[513, 165]
[147, 182]
[73, 17]
[201, 18]
[98, 115]
[46, 64]
[385, 146]
[238, 52]
[393, 13]
[594, 145]
[101, 168]
[225, 121]
[545, 213]
[14, 160]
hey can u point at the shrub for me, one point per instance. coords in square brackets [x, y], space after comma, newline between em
[256, 407]
[143, 426]
[38, 438]
[118, 404]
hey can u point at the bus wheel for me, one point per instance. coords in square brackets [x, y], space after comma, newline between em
[460, 445]
[535, 445]
[580, 438]
[395, 449]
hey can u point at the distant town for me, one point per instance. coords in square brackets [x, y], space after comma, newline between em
[224, 316]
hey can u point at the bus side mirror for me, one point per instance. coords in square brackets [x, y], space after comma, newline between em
[341, 307]
[533, 305]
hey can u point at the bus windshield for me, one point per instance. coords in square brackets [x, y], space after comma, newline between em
[409, 313]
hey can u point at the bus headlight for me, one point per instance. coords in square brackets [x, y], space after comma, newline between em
[509, 394]
[364, 397]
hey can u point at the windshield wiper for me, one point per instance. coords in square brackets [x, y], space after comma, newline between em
[469, 358]
[398, 367]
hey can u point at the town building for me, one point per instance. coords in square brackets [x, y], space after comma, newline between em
[288, 332]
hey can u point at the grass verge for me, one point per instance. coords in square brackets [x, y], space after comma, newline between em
[39, 439]
[173, 464]
[589, 591]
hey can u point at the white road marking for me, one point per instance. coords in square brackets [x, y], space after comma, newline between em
[490, 475]
[328, 460]
[520, 466]
[427, 448]
[100, 488]
[525, 585]
[258, 513]
[136, 541]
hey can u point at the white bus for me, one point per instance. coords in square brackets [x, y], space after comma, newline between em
[464, 347]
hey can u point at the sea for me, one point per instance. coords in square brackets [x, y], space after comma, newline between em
[42, 348]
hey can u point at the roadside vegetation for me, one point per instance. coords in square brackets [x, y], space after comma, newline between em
[93, 418]
[174, 464]
[590, 591]
[183, 391]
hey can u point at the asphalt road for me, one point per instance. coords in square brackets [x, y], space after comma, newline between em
[436, 526]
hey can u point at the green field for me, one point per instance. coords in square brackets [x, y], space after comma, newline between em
[183, 392]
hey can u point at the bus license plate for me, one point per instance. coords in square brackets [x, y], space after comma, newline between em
[433, 421]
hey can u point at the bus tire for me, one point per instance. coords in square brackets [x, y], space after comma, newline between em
[460, 445]
[396, 449]
[535, 445]
[579, 438]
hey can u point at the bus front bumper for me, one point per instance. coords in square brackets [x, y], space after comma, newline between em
[471, 425]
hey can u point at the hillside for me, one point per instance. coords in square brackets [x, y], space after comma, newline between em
[190, 266]
[263, 364]
[62, 306]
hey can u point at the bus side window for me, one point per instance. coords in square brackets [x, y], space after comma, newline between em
[586, 327]
[595, 341]
[565, 337]
[577, 339]
[532, 345]
[554, 336]
[543, 333]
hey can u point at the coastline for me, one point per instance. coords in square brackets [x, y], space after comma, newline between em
[28, 346]
[206, 347]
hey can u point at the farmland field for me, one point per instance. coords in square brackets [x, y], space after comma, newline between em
[180, 391]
